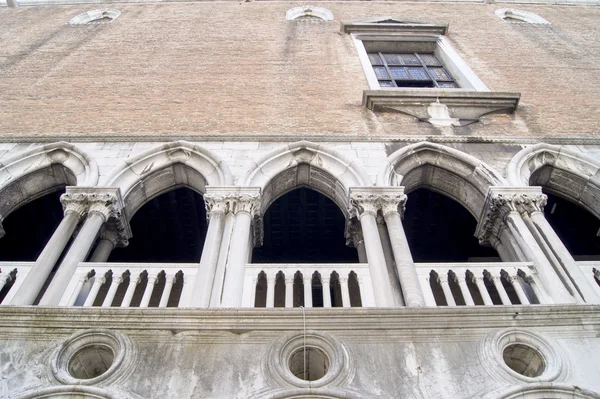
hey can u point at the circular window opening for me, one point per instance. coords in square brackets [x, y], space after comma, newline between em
[91, 362]
[309, 364]
[524, 360]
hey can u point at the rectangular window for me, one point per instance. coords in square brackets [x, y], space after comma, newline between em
[410, 70]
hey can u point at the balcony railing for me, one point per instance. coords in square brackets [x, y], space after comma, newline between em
[497, 283]
[12, 275]
[308, 285]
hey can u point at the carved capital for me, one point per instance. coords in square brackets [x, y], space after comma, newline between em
[388, 200]
[233, 199]
[499, 202]
[118, 238]
[75, 202]
[353, 233]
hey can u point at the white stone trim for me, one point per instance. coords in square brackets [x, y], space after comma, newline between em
[93, 16]
[520, 16]
[308, 11]
[543, 389]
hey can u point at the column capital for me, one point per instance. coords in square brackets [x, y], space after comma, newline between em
[119, 238]
[499, 202]
[104, 201]
[373, 199]
[234, 199]
[353, 233]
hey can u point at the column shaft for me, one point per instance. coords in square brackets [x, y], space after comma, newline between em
[389, 262]
[289, 292]
[516, 283]
[148, 292]
[485, 295]
[447, 291]
[102, 251]
[77, 253]
[270, 292]
[345, 292]
[308, 292]
[466, 293]
[164, 298]
[413, 296]
[501, 291]
[208, 263]
[384, 296]
[112, 290]
[44, 264]
[130, 291]
[236, 265]
[326, 293]
[89, 301]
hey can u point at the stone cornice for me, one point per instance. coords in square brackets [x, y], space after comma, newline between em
[499, 202]
[591, 139]
[578, 320]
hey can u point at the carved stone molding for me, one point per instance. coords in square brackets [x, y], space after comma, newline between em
[375, 199]
[499, 202]
[105, 201]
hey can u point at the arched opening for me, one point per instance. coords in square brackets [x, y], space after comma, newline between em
[260, 298]
[298, 290]
[169, 228]
[336, 290]
[354, 290]
[457, 294]
[436, 289]
[304, 226]
[440, 229]
[317, 290]
[279, 290]
[21, 241]
[578, 229]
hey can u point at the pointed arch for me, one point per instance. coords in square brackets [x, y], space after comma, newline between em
[306, 164]
[163, 168]
[446, 170]
[41, 170]
[536, 390]
[562, 171]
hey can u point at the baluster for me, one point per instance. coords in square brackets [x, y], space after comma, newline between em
[148, 291]
[485, 295]
[289, 291]
[307, 283]
[99, 280]
[443, 280]
[164, 299]
[112, 290]
[4, 279]
[345, 292]
[326, 292]
[270, 291]
[77, 290]
[501, 291]
[516, 283]
[464, 289]
[130, 291]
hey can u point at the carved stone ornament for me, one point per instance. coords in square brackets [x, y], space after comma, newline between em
[353, 233]
[233, 200]
[2, 232]
[371, 200]
[106, 202]
[499, 202]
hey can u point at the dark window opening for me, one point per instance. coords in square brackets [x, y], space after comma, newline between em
[317, 290]
[280, 290]
[304, 226]
[169, 228]
[457, 294]
[578, 229]
[28, 228]
[336, 290]
[354, 289]
[440, 229]
[298, 290]
[260, 298]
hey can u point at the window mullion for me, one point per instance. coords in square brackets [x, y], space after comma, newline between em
[387, 69]
[435, 83]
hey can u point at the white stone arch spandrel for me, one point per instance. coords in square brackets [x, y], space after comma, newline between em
[163, 168]
[306, 164]
[562, 171]
[40, 170]
[446, 170]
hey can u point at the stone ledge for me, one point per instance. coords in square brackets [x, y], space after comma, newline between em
[464, 106]
[450, 321]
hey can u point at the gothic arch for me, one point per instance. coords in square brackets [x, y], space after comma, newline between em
[446, 170]
[308, 393]
[539, 390]
[306, 164]
[564, 172]
[41, 170]
[164, 168]
[75, 392]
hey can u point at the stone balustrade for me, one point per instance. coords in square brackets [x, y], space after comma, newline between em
[490, 283]
[12, 275]
[308, 285]
[130, 285]
[591, 271]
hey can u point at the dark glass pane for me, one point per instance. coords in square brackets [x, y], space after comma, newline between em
[430, 59]
[399, 73]
[386, 83]
[381, 73]
[410, 59]
[418, 74]
[393, 59]
[440, 74]
[375, 59]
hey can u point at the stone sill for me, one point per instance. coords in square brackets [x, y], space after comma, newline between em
[466, 106]
[580, 319]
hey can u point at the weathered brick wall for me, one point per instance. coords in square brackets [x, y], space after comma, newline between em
[241, 69]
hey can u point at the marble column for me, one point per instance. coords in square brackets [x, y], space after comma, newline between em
[502, 210]
[464, 289]
[364, 205]
[108, 240]
[216, 208]
[307, 283]
[244, 203]
[75, 207]
[392, 202]
[104, 206]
